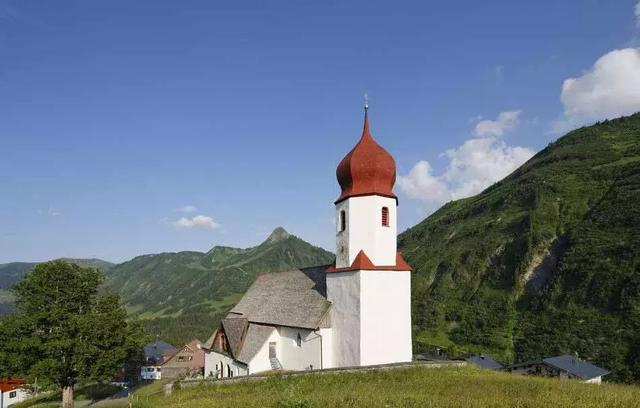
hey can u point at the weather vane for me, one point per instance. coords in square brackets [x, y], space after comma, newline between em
[366, 101]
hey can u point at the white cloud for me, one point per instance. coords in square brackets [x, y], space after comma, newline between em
[187, 209]
[496, 128]
[611, 88]
[421, 184]
[196, 222]
[473, 166]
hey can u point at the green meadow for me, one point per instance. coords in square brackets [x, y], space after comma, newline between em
[401, 387]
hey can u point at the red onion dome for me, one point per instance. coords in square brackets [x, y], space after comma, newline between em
[367, 169]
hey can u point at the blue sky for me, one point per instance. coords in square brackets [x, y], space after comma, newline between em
[131, 127]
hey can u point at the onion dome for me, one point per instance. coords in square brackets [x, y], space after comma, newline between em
[368, 169]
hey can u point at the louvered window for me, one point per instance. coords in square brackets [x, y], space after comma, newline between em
[385, 216]
[343, 221]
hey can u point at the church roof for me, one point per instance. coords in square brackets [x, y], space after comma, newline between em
[295, 298]
[256, 336]
[368, 169]
[234, 328]
[362, 263]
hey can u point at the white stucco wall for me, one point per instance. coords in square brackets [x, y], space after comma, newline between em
[151, 372]
[343, 291]
[260, 362]
[327, 347]
[211, 358]
[385, 317]
[364, 231]
[7, 401]
[305, 357]
[371, 317]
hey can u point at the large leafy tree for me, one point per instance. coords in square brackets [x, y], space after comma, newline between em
[66, 329]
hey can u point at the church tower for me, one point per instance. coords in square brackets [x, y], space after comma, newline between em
[370, 284]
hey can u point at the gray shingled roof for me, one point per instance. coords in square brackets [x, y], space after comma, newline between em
[295, 299]
[209, 343]
[234, 328]
[154, 351]
[485, 361]
[255, 338]
[576, 367]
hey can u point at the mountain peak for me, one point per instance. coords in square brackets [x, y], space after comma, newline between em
[278, 234]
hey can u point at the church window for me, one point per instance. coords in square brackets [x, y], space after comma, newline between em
[299, 340]
[385, 216]
[343, 220]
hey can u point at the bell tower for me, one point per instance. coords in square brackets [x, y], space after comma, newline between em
[366, 208]
[370, 284]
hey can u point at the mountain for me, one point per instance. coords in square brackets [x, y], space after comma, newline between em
[12, 273]
[183, 295]
[547, 261]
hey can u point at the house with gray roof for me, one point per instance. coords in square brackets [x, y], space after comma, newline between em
[564, 366]
[155, 354]
[355, 312]
[485, 361]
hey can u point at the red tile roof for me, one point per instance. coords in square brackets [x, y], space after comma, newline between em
[11, 384]
[363, 263]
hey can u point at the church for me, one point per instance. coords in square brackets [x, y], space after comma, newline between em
[355, 312]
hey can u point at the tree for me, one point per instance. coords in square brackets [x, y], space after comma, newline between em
[66, 329]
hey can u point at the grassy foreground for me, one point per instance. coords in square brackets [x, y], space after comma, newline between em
[410, 387]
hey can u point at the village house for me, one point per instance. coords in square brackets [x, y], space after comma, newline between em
[565, 366]
[187, 360]
[155, 354]
[12, 391]
[485, 361]
[356, 312]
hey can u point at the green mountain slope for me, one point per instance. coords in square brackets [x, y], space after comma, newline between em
[12, 273]
[546, 261]
[183, 295]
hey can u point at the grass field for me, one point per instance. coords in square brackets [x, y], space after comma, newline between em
[406, 387]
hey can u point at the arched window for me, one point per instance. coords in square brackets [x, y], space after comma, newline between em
[299, 340]
[343, 220]
[229, 371]
[385, 216]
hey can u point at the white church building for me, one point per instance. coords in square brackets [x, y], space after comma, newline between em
[356, 312]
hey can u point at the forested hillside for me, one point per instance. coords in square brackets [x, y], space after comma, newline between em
[183, 295]
[545, 261]
[12, 273]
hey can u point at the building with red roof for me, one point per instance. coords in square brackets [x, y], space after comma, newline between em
[12, 391]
